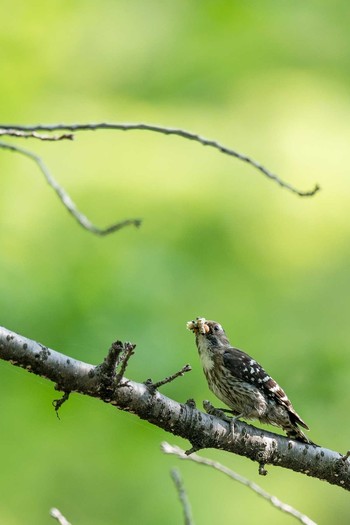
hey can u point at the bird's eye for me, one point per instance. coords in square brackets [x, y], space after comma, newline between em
[217, 327]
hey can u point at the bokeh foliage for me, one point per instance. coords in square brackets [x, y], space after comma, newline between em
[270, 79]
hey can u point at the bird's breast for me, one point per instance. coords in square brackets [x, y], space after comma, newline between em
[205, 355]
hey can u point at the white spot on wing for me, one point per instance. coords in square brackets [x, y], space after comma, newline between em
[284, 398]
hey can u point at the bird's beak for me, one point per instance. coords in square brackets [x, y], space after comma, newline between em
[199, 326]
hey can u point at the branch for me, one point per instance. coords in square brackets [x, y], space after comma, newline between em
[186, 507]
[57, 515]
[165, 131]
[65, 198]
[154, 386]
[284, 507]
[128, 352]
[33, 135]
[180, 419]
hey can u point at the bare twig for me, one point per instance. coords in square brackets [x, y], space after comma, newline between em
[167, 131]
[33, 135]
[57, 403]
[154, 386]
[346, 456]
[65, 198]
[55, 513]
[177, 451]
[262, 471]
[113, 357]
[128, 352]
[186, 507]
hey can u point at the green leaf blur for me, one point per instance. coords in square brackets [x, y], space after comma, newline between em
[270, 79]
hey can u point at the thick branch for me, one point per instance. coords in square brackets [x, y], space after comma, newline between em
[202, 430]
[165, 131]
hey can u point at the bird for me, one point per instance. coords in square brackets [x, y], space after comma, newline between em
[242, 383]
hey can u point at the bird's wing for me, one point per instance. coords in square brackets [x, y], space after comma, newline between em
[247, 369]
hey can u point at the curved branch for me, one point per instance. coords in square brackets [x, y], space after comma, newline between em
[284, 507]
[165, 131]
[181, 419]
[65, 198]
[33, 135]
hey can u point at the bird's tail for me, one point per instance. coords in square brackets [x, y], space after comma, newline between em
[294, 432]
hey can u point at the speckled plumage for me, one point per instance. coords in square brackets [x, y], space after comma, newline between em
[242, 383]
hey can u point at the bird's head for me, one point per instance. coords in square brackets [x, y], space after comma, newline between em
[210, 333]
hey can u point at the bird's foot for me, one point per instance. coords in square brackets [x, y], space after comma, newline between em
[221, 414]
[216, 412]
[232, 423]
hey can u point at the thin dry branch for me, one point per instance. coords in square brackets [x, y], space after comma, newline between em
[57, 515]
[65, 198]
[346, 456]
[166, 131]
[33, 135]
[284, 507]
[128, 352]
[186, 507]
[181, 419]
[154, 386]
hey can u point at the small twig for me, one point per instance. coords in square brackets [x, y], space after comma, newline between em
[113, 358]
[55, 513]
[65, 198]
[186, 507]
[168, 131]
[191, 403]
[154, 386]
[33, 135]
[57, 403]
[128, 352]
[193, 449]
[284, 507]
[262, 471]
[346, 456]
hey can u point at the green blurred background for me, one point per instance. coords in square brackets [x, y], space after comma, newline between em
[270, 79]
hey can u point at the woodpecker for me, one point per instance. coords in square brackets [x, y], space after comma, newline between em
[242, 383]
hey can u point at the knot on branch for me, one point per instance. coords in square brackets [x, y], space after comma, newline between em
[342, 467]
[191, 403]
